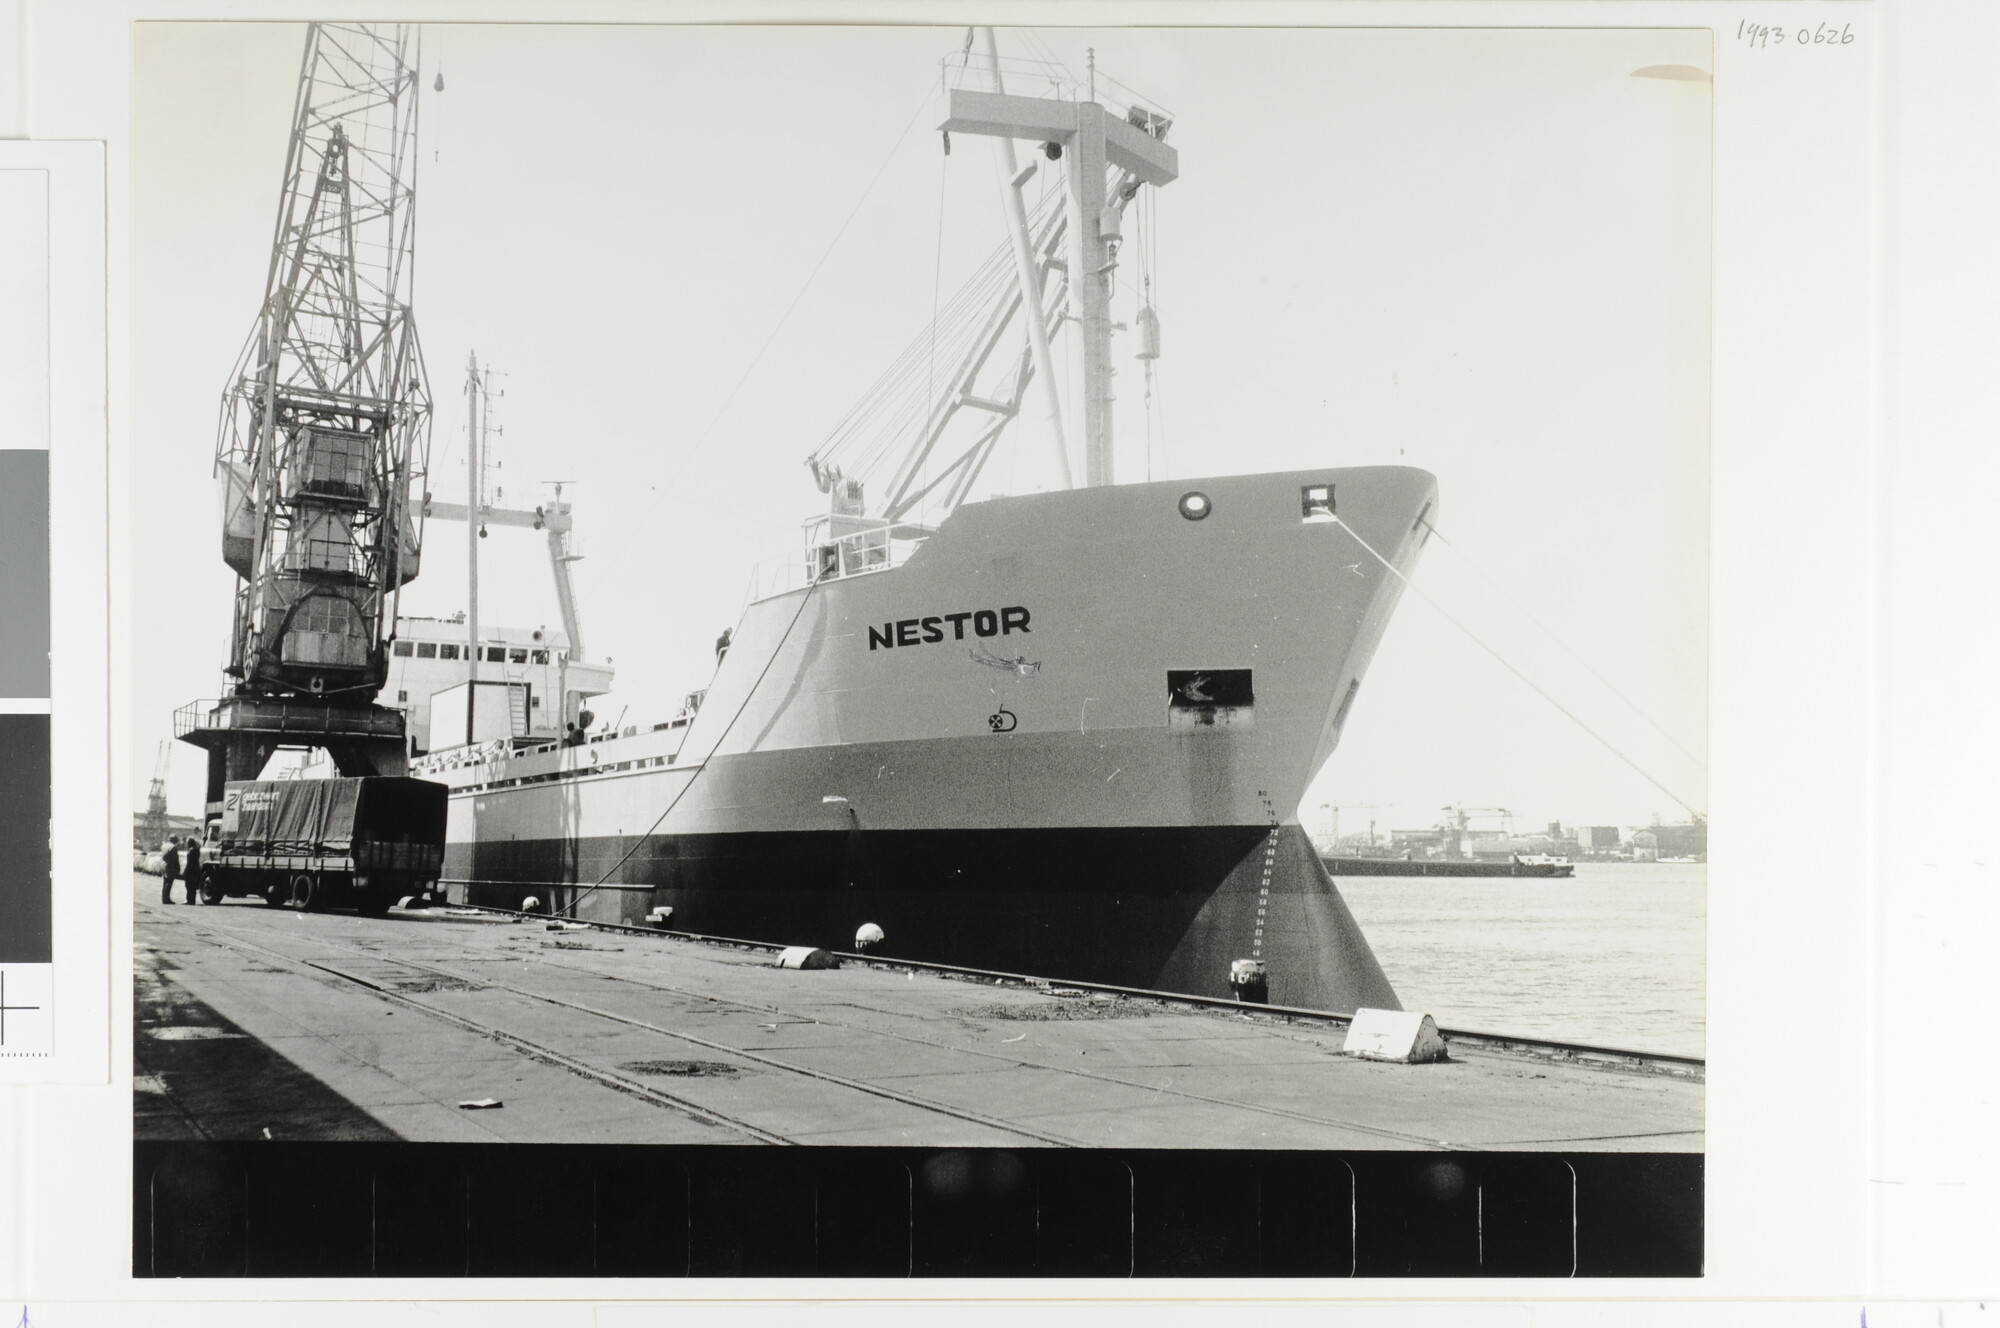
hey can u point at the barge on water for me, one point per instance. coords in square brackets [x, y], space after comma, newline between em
[1345, 866]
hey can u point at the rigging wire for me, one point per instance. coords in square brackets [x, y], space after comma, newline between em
[694, 449]
[1504, 663]
[902, 401]
[675, 801]
[896, 383]
[937, 281]
[1034, 39]
[1149, 259]
[937, 254]
[437, 128]
[1565, 647]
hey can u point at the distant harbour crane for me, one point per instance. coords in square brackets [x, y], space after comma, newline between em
[1459, 825]
[153, 826]
[1333, 811]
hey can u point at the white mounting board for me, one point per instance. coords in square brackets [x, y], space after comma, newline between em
[52, 333]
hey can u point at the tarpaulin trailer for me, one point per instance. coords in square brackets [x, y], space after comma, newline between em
[325, 843]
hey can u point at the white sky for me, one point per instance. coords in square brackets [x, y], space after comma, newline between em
[1481, 252]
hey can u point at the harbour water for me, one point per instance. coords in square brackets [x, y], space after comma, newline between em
[1614, 955]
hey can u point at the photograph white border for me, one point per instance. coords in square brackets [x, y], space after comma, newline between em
[1797, 556]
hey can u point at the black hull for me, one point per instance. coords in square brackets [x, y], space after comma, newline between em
[1166, 908]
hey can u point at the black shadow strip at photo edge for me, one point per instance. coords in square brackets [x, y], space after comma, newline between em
[25, 881]
[255, 1209]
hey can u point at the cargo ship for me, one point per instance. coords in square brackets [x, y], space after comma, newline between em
[1061, 733]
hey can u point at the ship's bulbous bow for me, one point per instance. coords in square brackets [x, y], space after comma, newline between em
[1280, 908]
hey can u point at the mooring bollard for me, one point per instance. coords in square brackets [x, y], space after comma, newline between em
[867, 937]
[1250, 982]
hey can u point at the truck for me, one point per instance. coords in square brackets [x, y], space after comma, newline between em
[360, 843]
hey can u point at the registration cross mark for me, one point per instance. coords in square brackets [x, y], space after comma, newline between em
[4, 1008]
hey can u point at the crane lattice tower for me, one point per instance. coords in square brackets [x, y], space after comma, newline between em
[324, 435]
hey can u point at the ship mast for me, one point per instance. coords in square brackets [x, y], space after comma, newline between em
[1091, 144]
[1054, 271]
[1026, 271]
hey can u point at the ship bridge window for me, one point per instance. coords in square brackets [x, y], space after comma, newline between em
[518, 655]
[405, 649]
[427, 650]
[539, 656]
[496, 654]
[448, 652]
[1316, 502]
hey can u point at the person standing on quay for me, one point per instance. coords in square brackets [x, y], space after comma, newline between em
[191, 869]
[170, 867]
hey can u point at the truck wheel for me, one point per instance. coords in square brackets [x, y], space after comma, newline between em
[302, 892]
[211, 889]
[373, 904]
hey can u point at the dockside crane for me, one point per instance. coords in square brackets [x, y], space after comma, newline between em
[1459, 825]
[153, 826]
[324, 437]
[1333, 811]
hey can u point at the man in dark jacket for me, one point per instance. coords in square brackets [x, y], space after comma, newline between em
[171, 867]
[191, 869]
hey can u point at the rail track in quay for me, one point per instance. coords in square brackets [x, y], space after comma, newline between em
[255, 1022]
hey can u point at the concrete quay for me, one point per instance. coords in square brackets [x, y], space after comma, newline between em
[255, 1022]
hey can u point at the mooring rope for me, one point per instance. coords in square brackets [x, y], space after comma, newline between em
[1562, 645]
[1532, 685]
[720, 738]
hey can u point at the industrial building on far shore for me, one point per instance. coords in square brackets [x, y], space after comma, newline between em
[1489, 834]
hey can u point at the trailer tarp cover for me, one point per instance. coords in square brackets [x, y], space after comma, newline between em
[301, 815]
[397, 808]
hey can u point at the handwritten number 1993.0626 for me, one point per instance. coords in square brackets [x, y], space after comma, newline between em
[1825, 34]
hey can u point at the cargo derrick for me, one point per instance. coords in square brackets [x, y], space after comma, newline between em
[324, 432]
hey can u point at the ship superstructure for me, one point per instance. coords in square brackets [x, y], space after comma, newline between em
[1062, 733]
[536, 664]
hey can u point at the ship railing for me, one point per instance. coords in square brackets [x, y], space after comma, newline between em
[468, 754]
[881, 547]
[1027, 77]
